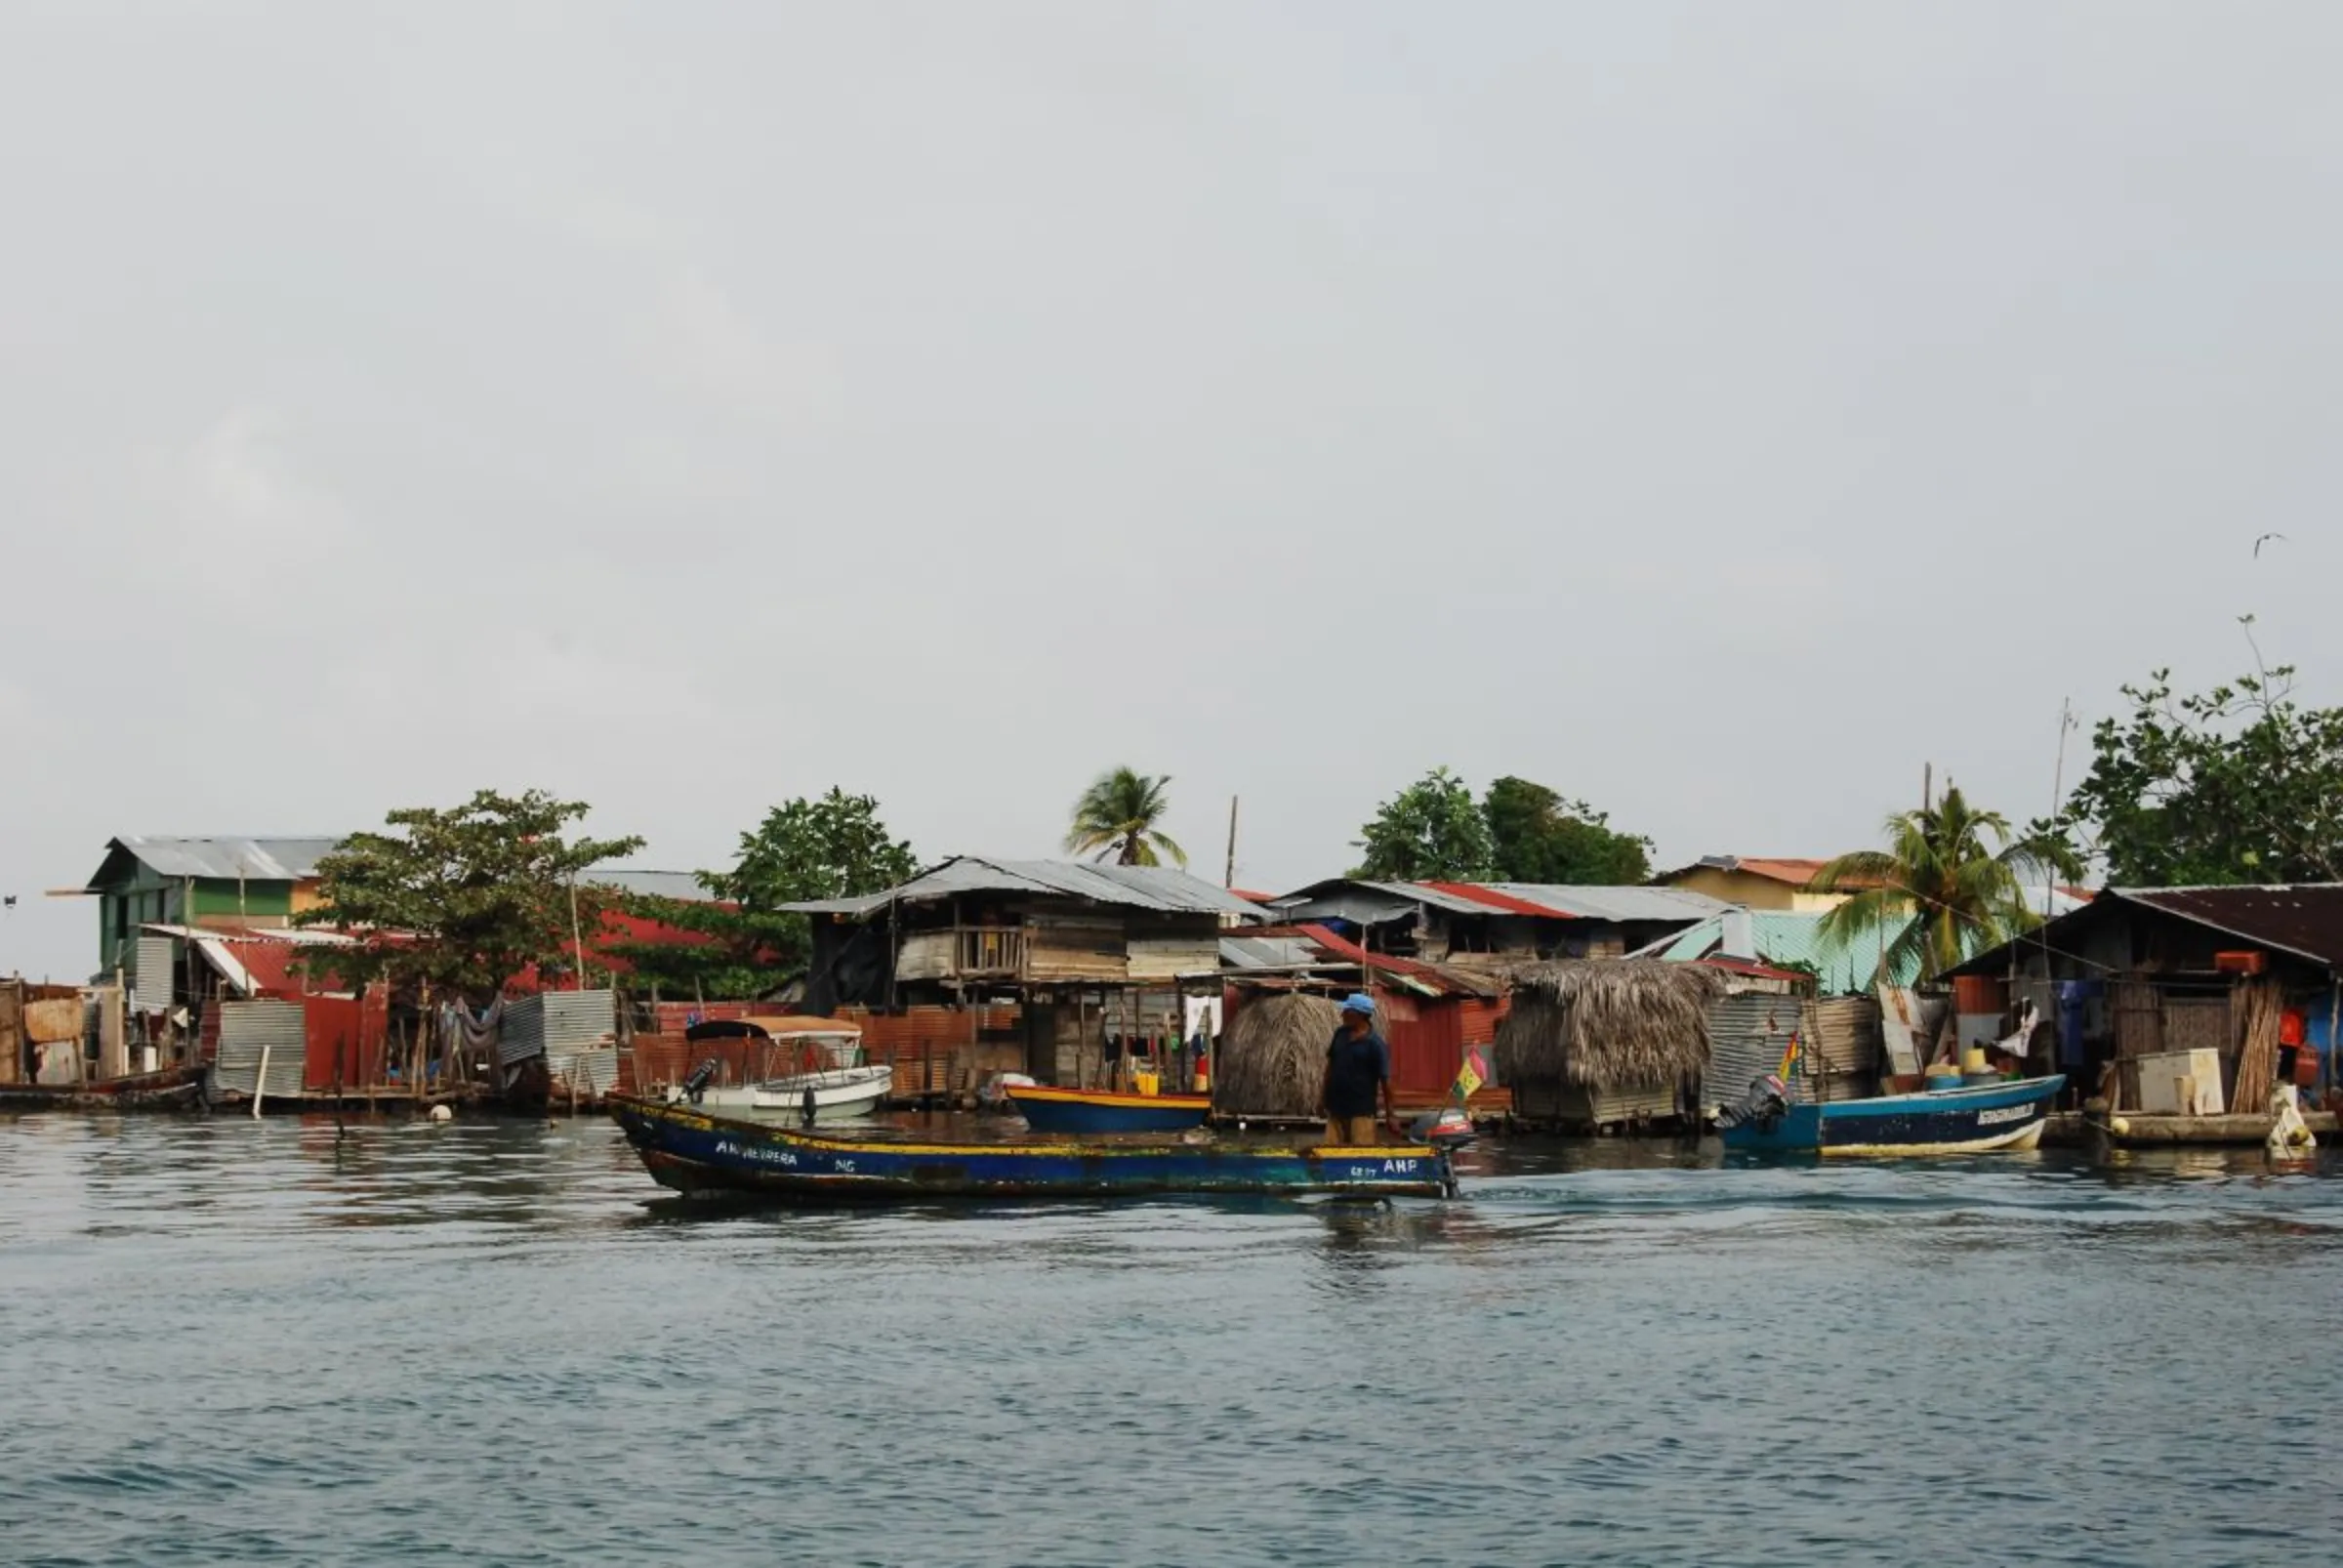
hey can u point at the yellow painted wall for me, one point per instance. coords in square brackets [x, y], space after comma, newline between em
[1755, 891]
[306, 896]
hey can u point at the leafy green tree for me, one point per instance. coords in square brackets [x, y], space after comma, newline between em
[832, 846]
[2237, 784]
[1536, 836]
[1431, 831]
[458, 903]
[1967, 895]
[1117, 819]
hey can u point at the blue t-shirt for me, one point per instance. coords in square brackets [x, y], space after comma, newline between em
[1354, 1066]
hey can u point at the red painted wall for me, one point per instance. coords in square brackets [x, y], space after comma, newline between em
[346, 1041]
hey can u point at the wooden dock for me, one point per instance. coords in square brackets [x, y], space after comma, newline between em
[2137, 1129]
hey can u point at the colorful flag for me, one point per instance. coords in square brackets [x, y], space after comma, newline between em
[1473, 1074]
[1788, 1058]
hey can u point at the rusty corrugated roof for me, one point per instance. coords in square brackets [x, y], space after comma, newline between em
[2305, 919]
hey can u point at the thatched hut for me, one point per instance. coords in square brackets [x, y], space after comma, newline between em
[1597, 1042]
[1273, 1056]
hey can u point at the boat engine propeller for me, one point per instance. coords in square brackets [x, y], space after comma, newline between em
[697, 1085]
[1763, 1106]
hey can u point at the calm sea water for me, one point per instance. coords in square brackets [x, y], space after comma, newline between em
[223, 1342]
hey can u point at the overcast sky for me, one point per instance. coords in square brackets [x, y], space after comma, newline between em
[1717, 411]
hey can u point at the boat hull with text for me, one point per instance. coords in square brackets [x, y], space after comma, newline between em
[1987, 1119]
[691, 1151]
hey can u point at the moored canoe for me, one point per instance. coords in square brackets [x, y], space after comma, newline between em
[1098, 1110]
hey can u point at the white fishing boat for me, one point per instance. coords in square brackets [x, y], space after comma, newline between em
[801, 1067]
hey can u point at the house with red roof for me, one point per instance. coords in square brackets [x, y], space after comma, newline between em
[1754, 881]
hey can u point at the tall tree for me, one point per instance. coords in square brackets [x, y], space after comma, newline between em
[1431, 831]
[1117, 819]
[1536, 836]
[831, 846]
[1944, 892]
[463, 901]
[2237, 784]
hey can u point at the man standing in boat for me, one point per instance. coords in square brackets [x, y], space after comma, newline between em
[1358, 1068]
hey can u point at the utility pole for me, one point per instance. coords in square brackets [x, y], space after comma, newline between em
[1228, 874]
[576, 937]
[2058, 791]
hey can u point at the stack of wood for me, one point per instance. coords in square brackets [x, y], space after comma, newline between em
[2262, 1004]
[1842, 1047]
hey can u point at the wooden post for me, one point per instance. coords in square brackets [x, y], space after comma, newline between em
[2326, 1063]
[113, 1018]
[1228, 876]
[259, 1082]
[419, 1047]
[577, 941]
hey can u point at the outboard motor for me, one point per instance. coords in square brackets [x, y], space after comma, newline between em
[697, 1084]
[1450, 1128]
[1763, 1106]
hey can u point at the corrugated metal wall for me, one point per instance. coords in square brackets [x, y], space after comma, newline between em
[248, 1030]
[153, 980]
[1746, 1037]
[1426, 1039]
[346, 1041]
[576, 1032]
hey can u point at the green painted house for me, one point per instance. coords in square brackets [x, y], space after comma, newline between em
[222, 882]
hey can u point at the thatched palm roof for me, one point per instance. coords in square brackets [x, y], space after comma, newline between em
[1610, 1022]
[1273, 1057]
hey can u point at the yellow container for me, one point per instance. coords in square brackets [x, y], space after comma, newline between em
[1972, 1061]
[1146, 1083]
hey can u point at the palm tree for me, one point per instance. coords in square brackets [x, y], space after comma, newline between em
[1937, 866]
[1116, 817]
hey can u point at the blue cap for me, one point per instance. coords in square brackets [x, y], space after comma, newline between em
[1358, 1001]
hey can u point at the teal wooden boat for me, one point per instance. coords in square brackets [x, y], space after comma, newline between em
[691, 1151]
[1959, 1121]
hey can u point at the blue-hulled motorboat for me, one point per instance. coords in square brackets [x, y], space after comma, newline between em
[693, 1151]
[1988, 1117]
[1104, 1110]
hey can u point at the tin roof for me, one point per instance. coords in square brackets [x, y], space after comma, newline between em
[1353, 898]
[1793, 936]
[1153, 887]
[2305, 919]
[1620, 904]
[257, 961]
[1796, 871]
[224, 859]
[2301, 919]
[682, 887]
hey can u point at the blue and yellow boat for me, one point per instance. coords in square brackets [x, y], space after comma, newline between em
[691, 1151]
[1106, 1111]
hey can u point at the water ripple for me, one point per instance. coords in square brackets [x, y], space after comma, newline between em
[230, 1341]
